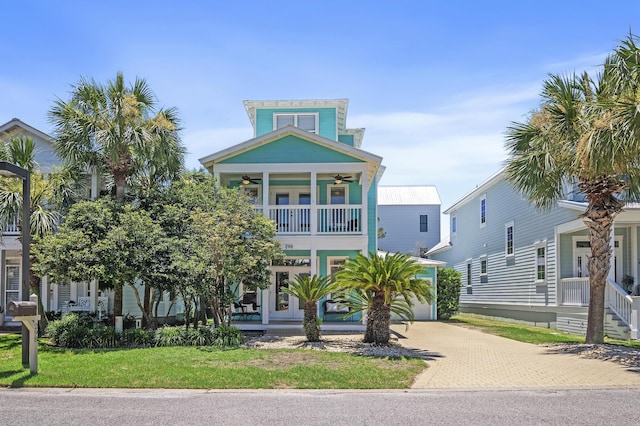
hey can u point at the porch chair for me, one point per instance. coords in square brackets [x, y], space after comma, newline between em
[247, 306]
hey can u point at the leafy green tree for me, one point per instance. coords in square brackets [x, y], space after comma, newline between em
[585, 132]
[310, 289]
[49, 195]
[115, 129]
[384, 283]
[449, 284]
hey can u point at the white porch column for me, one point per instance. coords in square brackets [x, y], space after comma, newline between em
[313, 217]
[635, 318]
[73, 291]
[45, 294]
[94, 183]
[265, 305]
[612, 247]
[314, 260]
[365, 204]
[93, 290]
[634, 254]
[265, 194]
[54, 298]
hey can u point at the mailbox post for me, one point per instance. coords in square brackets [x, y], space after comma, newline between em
[27, 312]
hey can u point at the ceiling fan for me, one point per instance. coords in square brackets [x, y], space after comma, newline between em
[339, 179]
[246, 180]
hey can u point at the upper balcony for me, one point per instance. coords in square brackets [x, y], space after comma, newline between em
[307, 203]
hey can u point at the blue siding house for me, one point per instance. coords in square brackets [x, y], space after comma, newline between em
[525, 264]
[410, 218]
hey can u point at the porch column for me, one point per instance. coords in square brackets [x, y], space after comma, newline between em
[313, 217]
[73, 291]
[94, 183]
[612, 247]
[365, 205]
[265, 303]
[54, 298]
[44, 293]
[634, 254]
[93, 290]
[635, 318]
[265, 196]
[314, 261]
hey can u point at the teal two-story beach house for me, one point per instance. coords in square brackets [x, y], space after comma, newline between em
[305, 170]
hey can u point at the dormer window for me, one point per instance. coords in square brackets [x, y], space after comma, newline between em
[308, 122]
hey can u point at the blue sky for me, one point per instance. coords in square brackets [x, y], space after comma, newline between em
[435, 83]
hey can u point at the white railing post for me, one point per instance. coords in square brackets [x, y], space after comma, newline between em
[635, 318]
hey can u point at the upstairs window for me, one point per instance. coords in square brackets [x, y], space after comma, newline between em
[424, 223]
[541, 262]
[508, 239]
[454, 225]
[483, 211]
[308, 122]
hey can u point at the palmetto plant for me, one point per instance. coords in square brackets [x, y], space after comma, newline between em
[310, 289]
[586, 131]
[383, 285]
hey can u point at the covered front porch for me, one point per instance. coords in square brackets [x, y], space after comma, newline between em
[622, 293]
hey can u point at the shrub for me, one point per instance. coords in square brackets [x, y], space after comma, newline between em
[202, 336]
[169, 336]
[71, 331]
[449, 284]
[103, 337]
[138, 337]
[227, 336]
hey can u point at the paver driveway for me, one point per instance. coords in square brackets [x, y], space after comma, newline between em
[463, 358]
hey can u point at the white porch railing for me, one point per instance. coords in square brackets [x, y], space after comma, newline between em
[12, 228]
[618, 301]
[329, 219]
[574, 291]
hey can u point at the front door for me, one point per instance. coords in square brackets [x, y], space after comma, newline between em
[282, 305]
[582, 251]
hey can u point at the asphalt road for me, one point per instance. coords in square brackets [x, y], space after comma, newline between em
[415, 407]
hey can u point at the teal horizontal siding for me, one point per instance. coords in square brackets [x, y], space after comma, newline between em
[291, 149]
[326, 120]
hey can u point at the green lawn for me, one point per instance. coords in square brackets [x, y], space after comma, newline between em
[527, 333]
[203, 368]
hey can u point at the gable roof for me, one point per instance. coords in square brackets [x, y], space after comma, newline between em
[443, 245]
[479, 189]
[408, 195]
[12, 126]
[372, 159]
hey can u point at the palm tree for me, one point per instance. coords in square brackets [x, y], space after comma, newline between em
[584, 132]
[384, 284]
[115, 129]
[49, 194]
[310, 289]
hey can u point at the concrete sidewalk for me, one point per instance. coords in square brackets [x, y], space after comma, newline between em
[462, 358]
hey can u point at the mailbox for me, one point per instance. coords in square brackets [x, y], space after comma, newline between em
[22, 309]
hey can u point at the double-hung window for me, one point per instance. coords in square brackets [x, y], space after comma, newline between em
[424, 223]
[541, 261]
[509, 246]
[308, 122]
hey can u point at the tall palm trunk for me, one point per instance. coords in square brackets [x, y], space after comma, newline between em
[603, 207]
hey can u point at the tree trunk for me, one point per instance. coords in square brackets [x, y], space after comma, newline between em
[310, 323]
[601, 211]
[145, 315]
[146, 319]
[378, 320]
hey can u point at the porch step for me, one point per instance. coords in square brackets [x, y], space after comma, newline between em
[614, 327]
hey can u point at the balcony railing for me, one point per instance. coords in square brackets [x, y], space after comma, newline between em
[574, 291]
[328, 219]
[12, 228]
